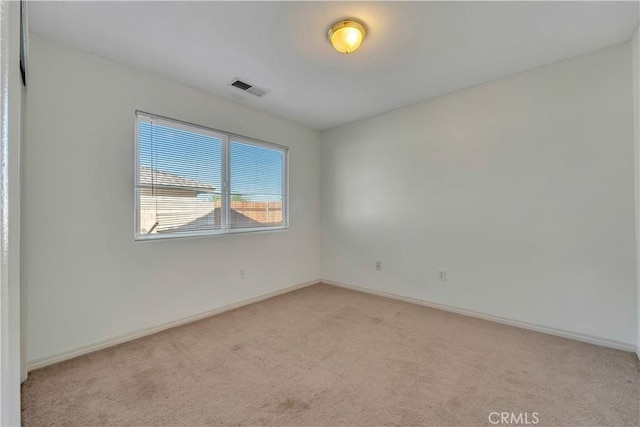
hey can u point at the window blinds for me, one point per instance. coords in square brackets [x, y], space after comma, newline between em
[256, 185]
[192, 180]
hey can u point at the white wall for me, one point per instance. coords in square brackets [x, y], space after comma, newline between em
[87, 280]
[521, 188]
[635, 45]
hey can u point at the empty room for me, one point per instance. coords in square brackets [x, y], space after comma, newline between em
[319, 213]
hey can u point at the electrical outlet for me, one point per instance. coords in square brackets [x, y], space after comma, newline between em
[443, 275]
[378, 266]
[242, 273]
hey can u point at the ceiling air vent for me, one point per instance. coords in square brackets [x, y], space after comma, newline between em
[254, 90]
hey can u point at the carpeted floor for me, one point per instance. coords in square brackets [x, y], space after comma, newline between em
[326, 356]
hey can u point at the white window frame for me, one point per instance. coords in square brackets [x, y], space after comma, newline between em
[226, 138]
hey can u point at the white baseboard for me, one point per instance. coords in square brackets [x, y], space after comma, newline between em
[605, 342]
[79, 351]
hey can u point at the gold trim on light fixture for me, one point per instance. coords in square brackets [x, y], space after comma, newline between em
[347, 35]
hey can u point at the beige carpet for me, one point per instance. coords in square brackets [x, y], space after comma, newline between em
[326, 356]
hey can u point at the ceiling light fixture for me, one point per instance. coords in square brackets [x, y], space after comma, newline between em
[346, 36]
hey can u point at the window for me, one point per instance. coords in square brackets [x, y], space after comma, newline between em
[193, 181]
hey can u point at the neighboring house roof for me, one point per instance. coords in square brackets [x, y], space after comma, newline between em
[155, 178]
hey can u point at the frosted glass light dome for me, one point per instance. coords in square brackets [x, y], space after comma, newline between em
[346, 36]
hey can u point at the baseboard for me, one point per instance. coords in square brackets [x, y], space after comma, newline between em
[79, 351]
[605, 342]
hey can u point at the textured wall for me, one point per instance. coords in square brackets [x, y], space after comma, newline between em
[86, 278]
[522, 189]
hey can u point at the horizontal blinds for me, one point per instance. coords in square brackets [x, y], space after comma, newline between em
[193, 180]
[256, 185]
[179, 178]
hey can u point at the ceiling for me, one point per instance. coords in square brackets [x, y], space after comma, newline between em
[413, 50]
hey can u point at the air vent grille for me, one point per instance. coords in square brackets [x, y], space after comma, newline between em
[249, 88]
[241, 85]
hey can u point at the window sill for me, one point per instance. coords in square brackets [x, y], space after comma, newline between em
[255, 230]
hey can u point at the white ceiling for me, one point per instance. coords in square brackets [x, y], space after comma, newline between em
[414, 50]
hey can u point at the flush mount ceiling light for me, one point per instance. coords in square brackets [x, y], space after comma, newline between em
[346, 36]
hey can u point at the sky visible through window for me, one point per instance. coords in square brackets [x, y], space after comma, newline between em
[255, 172]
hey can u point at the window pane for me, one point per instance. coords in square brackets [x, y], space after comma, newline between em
[193, 180]
[180, 174]
[256, 185]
